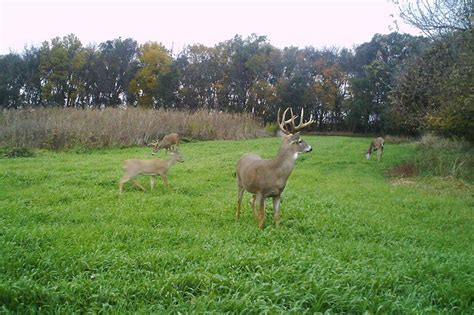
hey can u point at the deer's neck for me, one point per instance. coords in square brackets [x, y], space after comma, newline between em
[284, 162]
[371, 147]
[170, 163]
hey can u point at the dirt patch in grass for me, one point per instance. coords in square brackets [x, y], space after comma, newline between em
[407, 169]
[400, 175]
[408, 174]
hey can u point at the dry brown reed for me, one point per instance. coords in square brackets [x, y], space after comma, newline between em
[59, 128]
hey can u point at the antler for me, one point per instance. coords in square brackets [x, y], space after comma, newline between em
[303, 125]
[154, 143]
[282, 124]
[291, 122]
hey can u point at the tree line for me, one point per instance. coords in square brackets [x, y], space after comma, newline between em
[395, 83]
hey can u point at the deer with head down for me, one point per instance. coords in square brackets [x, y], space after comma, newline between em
[134, 167]
[168, 143]
[267, 178]
[376, 145]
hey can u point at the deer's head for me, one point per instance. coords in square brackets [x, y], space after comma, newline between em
[291, 138]
[175, 155]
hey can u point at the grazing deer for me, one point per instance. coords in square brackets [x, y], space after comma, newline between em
[168, 142]
[267, 178]
[375, 145]
[152, 168]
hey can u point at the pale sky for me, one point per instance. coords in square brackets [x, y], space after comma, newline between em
[176, 23]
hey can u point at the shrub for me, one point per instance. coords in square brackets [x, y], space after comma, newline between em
[445, 157]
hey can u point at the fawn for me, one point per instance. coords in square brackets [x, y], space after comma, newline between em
[134, 167]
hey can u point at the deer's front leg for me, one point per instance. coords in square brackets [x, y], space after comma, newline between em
[240, 194]
[261, 214]
[276, 209]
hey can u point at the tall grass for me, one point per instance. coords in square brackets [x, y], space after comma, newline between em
[445, 157]
[58, 128]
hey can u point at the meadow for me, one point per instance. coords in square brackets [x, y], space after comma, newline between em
[352, 238]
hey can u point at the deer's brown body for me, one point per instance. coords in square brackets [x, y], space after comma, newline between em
[168, 143]
[134, 167]
[376, 145]
[267, 178]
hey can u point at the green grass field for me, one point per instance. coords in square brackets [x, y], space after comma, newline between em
[350, 240]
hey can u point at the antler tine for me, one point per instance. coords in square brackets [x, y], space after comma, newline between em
[302, 125]
[153, 143]
[282, 123]
[278, 117]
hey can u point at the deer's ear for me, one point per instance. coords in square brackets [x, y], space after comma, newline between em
[295, 137]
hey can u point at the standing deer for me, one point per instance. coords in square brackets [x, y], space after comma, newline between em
[133, 168]
[168, 142]
[376, 145]
[267, 178]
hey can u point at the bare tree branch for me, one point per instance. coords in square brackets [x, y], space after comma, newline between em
[437, 17]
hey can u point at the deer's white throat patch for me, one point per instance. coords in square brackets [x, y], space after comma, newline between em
[295, 156]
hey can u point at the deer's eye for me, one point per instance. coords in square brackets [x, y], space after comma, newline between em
[300, 141]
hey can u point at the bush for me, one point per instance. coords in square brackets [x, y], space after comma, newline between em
[63, 128]
[445, 157]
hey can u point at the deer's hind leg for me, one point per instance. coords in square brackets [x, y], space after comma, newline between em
[254, 210]
[122, 182]
[136, 183]
[165, 179]
[276, 209]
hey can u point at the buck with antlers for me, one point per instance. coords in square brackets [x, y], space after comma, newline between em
[267, 178]
[168, 143]
[376, 145]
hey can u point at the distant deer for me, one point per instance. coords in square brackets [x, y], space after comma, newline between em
[168, 142]
[267, 178]
[152, 168]
[376, 145]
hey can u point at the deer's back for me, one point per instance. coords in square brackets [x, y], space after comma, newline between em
[170, 139]
[247, 161]
[135, 166]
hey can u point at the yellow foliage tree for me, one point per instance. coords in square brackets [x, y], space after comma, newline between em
[155, 63]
